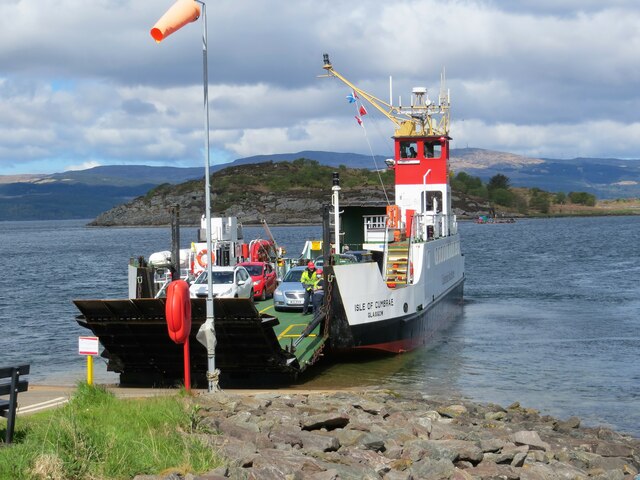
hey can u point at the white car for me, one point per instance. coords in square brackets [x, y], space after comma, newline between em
[227, 282]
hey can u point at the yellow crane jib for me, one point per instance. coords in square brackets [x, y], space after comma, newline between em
[422, 118]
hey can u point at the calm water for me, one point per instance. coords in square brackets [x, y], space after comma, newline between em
[551, 317]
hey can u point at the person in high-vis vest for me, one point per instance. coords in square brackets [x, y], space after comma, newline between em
[309, 278]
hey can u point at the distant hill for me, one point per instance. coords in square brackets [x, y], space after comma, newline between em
[57, 201]
[87, 193]
[606, 178]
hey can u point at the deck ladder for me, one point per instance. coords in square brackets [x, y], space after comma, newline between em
[397, 264]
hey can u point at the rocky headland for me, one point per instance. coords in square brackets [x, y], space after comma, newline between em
[382, 434]
[280, 193]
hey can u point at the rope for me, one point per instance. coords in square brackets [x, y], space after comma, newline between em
[213, 379]
[364, 129]
[384, 189]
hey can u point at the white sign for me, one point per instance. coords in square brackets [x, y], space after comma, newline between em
[88, 345]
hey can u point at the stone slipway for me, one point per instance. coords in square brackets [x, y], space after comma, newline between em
[388, 435]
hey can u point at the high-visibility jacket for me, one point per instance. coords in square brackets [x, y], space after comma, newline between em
[309, 279]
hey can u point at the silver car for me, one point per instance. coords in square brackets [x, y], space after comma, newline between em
[227, 282]
[290, 293]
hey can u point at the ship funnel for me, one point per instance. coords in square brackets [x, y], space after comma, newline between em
[180, 13]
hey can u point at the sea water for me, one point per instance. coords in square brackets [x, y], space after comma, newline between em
[551, 315]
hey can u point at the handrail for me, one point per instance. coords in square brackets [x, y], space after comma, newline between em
[385, 257]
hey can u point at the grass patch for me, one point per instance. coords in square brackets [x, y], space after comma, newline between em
[97, 436]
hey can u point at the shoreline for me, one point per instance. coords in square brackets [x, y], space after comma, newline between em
[352, 433]
[56, 389]
[465, 218]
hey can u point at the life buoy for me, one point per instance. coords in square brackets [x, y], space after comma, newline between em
[204, 253]
[178, 311]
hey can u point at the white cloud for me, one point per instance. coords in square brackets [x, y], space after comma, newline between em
[86, 81]
[84, 165]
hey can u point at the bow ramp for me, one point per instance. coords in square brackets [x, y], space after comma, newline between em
[250, 346]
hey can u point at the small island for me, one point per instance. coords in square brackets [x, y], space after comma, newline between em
[293, 193]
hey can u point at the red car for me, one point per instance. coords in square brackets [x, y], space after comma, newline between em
[264, 279]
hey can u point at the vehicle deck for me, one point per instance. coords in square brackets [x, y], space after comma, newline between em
[291, 325]
[253, 341]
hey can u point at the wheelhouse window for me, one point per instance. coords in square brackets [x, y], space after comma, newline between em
[408, 149]
[432, 149]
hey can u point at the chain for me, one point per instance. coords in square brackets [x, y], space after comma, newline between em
[330, 279]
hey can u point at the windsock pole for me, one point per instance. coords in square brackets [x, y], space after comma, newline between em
[181, 13]
[209, 326]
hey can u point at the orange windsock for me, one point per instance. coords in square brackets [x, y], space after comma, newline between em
[180, 13]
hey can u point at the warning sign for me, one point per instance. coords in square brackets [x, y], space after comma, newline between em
[88, 345]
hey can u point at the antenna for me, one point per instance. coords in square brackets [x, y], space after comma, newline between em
[444, 94]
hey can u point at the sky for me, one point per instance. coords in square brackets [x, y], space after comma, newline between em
[83, 83]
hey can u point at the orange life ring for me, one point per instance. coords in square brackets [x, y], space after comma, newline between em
[178, 311]
[203, 253]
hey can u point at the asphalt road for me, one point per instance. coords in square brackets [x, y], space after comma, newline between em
[43, 397]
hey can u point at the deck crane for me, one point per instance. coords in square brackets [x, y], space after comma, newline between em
[422, 118]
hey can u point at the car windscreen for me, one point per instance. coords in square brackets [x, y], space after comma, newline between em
[217, 277]
[254, 270]
[293, 276]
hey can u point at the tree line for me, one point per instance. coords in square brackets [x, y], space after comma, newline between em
[499, 191]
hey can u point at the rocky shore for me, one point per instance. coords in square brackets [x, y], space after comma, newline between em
[383, 434]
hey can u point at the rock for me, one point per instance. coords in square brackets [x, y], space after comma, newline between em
[375, 435]
[318, 441]
[397, 475]
[567, 425]
[432, 469]
[348, 438]
[491, 470]
[495, 415]
[452, 411]
[326, 421]
[530, 438]
[608, 449]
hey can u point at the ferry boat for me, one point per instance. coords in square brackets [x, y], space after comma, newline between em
[406, 286]
[413, 287]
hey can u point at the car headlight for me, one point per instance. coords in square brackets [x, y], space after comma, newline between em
[257, 282]
[277, 292]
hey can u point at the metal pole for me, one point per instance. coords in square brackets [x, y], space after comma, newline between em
[175, 241]
[209, 325]
[336, 210]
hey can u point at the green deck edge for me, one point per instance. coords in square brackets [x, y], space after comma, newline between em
[292, 324]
